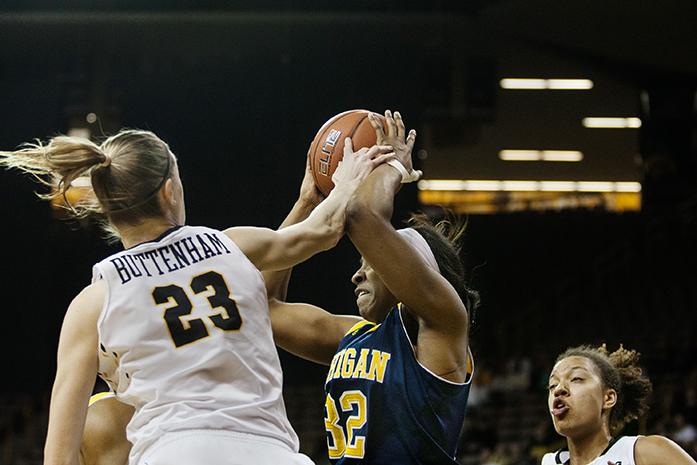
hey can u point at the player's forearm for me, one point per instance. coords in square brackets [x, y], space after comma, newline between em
[277, 281]
[320, 231]
[300, 211]
[326, 223]
[374, 200]
[64, 428]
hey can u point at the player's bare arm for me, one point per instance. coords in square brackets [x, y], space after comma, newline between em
[302, 329]
[278, 250]
[657, 450]
[308, 331]
[443, 319]
[76, 370]
[308, 199]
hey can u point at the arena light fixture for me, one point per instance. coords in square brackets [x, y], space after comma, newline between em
[545, 84]
[562, 155]
[557, 186]
[569, 84]
[520, 186]
[627, 187]
[520, 155]
[483, 185]
[528, 186]
[444, 185]
[595, 186]
[523, 84]
[541, 155]
[596, 122]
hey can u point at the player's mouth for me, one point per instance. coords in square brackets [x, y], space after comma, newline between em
[559, 408]
[360, 292]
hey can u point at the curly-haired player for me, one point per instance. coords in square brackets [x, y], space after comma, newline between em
[593, 394]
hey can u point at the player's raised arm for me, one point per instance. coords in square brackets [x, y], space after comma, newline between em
[308, 199]
[278, 250]
[303, 329]
[76, 370]
[406, 273]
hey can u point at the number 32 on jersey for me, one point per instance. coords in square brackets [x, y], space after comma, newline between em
[344, 441]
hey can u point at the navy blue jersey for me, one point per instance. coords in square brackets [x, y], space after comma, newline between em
[383, 407]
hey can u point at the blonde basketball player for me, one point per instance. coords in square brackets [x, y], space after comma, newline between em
[592, 395]
[178, 322]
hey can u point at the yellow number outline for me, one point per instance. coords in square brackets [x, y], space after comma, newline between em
[346, 444]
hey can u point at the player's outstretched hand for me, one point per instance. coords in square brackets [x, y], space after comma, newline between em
[394, 135]
[309, 194]
[356, 166]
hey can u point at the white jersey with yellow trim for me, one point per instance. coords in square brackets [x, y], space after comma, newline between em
[100, 396]
[185, 337]
[620, 451]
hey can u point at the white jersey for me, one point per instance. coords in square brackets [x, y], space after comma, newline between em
[619, 451]
[185, 338]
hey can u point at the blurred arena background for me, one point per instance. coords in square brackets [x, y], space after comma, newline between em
[582, 229]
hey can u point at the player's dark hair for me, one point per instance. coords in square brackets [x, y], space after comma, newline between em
[443, 238]
[620, 371]
[121, 176]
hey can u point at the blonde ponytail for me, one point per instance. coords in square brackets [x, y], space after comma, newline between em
[57, 164]
[121, 176]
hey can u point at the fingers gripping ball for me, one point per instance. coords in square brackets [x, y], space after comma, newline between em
[327, 148]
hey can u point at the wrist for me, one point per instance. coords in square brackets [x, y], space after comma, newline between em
[389, 175]
[407, 175]
[346, 188]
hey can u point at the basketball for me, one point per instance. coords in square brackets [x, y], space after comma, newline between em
[327, 148]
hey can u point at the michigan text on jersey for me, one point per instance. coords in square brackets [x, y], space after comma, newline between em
[370, 364]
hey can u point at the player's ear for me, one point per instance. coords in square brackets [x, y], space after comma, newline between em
[609, 398]
[167, 193]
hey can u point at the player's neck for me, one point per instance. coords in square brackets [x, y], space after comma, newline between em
[144, 231]
[583, 451]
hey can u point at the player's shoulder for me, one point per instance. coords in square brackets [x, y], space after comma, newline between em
[95, 289]
[89, 302]
[552, 458]
[656, 449]
[359, 328]
[619, 451]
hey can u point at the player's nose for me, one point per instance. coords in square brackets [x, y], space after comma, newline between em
[560, 390]
[358, 277]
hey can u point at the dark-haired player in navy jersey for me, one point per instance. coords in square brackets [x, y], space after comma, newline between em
[398, 376]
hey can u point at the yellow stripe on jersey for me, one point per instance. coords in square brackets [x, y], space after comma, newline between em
[358, 326]
[102, 395]
[372, 329]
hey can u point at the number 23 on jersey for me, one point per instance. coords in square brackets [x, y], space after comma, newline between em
[185, 332]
